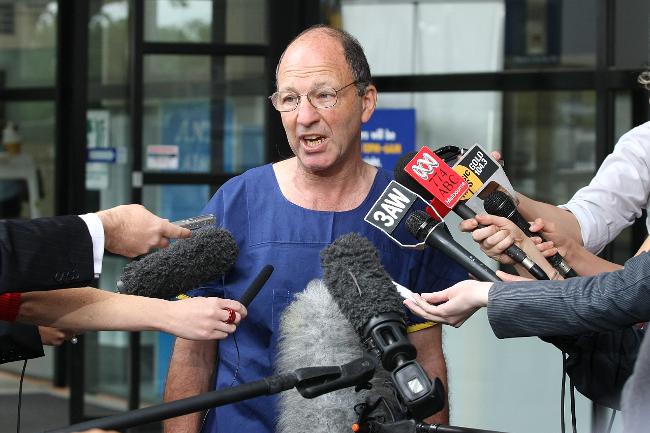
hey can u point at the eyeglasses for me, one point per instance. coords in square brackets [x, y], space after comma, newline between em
[323, 97]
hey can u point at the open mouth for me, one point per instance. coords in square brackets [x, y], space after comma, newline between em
[313, 141]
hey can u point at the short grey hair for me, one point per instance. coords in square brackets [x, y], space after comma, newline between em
[352, 49]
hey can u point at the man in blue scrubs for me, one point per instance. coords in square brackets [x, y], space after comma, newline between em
[284, 214]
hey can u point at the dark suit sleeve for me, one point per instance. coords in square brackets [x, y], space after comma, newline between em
[599, 363]
[19, 341]
[45, 253]
[604, 302]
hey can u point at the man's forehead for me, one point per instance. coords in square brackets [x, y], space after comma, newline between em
[310, 57]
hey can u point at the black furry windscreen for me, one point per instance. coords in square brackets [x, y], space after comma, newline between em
[357, 280]
[185, 264]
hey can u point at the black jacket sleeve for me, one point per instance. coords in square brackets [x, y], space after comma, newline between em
[19, 341]
[45, 253]
[599, 363]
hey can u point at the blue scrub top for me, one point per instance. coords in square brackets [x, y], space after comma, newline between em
[271, 230]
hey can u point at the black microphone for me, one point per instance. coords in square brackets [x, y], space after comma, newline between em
[436, 234]
[185, 264]
[499, 203]
[256, 285]
[366, 296]
[465, 212]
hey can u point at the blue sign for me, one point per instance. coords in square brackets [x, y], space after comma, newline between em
[388, 135]
[107, 155]
[187, 125]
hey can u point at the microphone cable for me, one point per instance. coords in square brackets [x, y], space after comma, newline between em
[20, 395]
[237, 364]
[572, 398]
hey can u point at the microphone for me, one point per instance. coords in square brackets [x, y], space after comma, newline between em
[197, 222]
[483, 173]
[366, 296]
[185, 264]
[302, 343]
[436, 234]
[464, 211]
[255, 287]
[498, 203]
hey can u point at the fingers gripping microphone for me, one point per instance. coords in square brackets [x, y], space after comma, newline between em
[366, 296]
[185, 264]
[498, 203]
[465, 212]
[435, 234]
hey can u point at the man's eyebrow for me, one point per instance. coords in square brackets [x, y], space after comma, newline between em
[317, 85]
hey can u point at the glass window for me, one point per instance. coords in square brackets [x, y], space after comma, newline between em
[173, 21]
[27, 160]
[28, 43]
[241, 21]
[179, 134]
[451, 118]
[632, 38]
[472, 36]
[549, 142]
[108, 42]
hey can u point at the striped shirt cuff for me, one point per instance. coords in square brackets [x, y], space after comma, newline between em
[9, 306]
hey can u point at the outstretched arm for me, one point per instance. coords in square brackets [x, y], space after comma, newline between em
[92, 309]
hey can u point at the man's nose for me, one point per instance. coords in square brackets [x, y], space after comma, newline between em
[307, 113]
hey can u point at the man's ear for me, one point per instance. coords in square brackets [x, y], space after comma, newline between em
[369, 101]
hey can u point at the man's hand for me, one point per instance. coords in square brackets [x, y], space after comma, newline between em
[455, 304]
[131, 230]
[55, 336]
[202, 318]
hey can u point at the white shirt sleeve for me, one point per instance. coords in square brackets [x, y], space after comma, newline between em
[96, 230]
[618, 193]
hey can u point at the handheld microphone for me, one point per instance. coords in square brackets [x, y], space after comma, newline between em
[499, 203]
[365, 294]
[435, 234]
[406, 178]
[483, 173]
[256, 285]
[185, 264]
[197, 222]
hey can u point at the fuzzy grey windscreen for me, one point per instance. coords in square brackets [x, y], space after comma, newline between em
[314, 333]
[185, 264]
[357, 281]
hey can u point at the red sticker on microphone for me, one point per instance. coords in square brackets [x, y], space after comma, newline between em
[437, 177]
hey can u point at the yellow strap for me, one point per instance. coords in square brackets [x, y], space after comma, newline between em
[420, 326]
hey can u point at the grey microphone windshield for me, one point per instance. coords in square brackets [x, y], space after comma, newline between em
[185, 264]
[314, 332]
[358, 282]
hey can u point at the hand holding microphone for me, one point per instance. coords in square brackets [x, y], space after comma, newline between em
[201, 318]
[131, 230]
[495, 234]
[499, 203]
